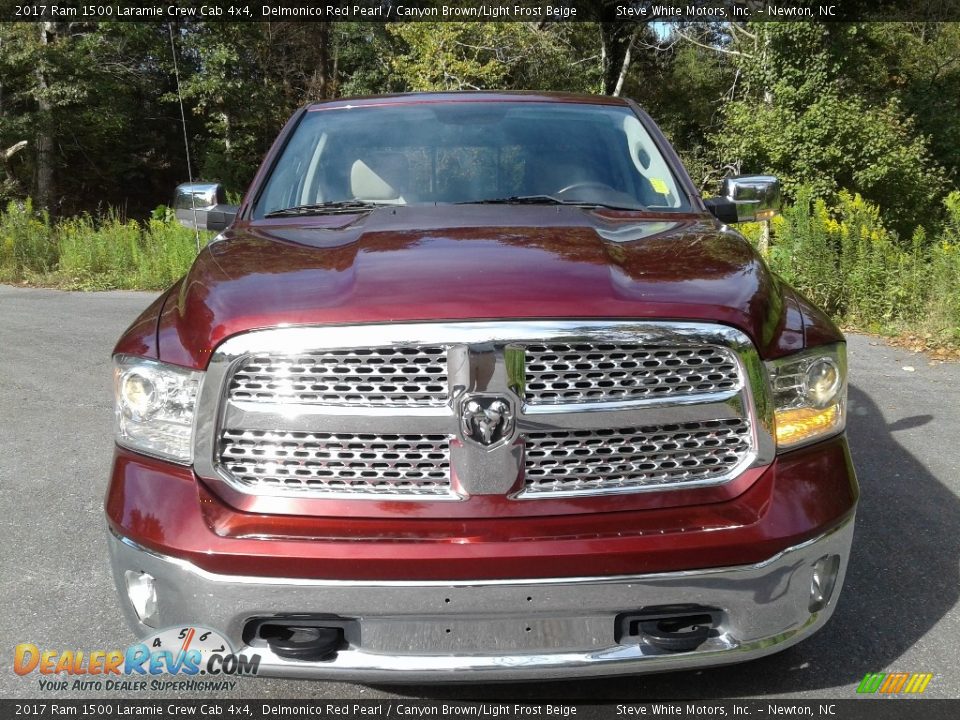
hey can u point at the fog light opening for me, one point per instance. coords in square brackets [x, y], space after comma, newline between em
[142, 592]
[822, 581]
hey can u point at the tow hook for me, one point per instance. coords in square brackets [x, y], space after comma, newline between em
[669, 628]
[306, 643]
[300, 637]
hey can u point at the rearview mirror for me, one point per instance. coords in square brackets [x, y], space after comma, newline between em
[203, 206]
[746, 198]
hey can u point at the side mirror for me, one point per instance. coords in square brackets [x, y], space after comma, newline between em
[746, 198]
[203, 206]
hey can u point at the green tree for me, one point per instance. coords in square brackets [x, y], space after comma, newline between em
[245, 79]
[797, 114]
[87, 99]
[490, 56]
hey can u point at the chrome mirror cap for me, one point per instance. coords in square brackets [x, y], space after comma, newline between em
[202, 206]
[756, 197]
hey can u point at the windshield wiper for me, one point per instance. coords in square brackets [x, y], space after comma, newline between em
[518, 200]
[545, 200]
[325, 207]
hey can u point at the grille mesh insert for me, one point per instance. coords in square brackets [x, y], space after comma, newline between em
[367, 377]
[337, 463]
[589, 461]
[602, 372]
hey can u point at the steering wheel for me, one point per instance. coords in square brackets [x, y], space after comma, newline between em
[583, 185]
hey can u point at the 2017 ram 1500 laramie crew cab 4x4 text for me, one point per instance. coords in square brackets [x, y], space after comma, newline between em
[476, 386]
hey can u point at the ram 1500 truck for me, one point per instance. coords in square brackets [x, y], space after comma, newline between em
[477, 386]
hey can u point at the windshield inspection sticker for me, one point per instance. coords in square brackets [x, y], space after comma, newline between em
[660, 186]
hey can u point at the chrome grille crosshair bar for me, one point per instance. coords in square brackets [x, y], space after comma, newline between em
[719, 383]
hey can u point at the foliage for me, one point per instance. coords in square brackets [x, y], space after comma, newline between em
[870, 107]
[685, 88]
[94, 253]
[916, 63]
[95, 92]
[245, 79]
[26, 244]
[943, 308]
[797, 118]
[489, 55]
[846, 261]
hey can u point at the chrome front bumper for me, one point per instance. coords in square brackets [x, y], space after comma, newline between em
[498, 630]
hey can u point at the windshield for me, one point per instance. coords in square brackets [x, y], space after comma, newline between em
[470, 152]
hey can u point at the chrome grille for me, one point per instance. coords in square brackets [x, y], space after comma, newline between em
[323, 464]
[368, 377]
[378, 411]
[602, 372]
[591, 461]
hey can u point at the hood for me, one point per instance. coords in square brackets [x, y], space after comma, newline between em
[419, 263]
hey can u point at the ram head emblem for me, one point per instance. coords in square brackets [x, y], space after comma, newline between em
[486, 420]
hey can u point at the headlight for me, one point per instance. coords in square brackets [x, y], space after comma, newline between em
[155, 407]
[809, 394]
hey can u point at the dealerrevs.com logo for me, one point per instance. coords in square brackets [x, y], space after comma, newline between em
[185, 651]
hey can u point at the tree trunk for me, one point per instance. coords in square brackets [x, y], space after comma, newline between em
[1, 79]
[324, 63]
[611, 55]
[335, 72]
[45, 154]
[615, 42]
[227, 132]
[8, 181]
[625, 65]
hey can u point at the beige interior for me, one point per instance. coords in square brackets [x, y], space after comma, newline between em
[383, 178]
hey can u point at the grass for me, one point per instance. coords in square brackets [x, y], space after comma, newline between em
[94, 253]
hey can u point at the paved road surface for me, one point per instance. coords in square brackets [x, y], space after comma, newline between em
[898, 611]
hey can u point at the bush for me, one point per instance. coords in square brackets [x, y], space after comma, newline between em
[167, 251]
[27, 246]
[100, 254]
[805, 251]
[943, 310]
[846, 261]
[91, 253]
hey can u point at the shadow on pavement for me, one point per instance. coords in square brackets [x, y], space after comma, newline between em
[903, 577]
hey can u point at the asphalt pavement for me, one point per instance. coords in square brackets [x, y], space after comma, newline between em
[898, 610]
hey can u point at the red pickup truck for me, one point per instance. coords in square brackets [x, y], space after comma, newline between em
[477, 386]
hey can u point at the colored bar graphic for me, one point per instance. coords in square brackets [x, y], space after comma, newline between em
[870, 683]
[893, 683]
[918, 682]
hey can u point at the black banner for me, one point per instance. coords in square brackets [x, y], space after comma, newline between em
[637, 11]
[849, 709]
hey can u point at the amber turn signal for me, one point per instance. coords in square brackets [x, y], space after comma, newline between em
[797, 425]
